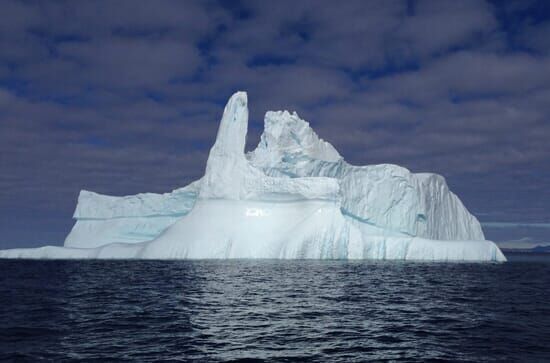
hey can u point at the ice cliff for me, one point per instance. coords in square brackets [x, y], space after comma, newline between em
[294, 196]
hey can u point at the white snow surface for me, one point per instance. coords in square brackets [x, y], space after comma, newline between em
[293, 197]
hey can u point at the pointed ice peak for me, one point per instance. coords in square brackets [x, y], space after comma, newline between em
[231, 138]
[227, 165]
[287, 134]
[229, 175]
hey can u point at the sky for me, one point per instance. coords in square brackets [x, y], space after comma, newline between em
[122, 97]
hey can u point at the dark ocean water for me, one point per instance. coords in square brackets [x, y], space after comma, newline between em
[275, 310]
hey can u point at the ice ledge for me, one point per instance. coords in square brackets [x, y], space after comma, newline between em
[93, 205]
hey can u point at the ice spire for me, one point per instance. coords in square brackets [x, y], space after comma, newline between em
[231, 137]
[226, 164]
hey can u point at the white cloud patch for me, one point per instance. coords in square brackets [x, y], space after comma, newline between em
[125, 96]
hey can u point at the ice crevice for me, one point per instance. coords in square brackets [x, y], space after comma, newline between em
[294, 196]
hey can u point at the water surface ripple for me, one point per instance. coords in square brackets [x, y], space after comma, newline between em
[274, 310]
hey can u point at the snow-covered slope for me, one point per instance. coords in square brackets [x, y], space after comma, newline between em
[292, 197]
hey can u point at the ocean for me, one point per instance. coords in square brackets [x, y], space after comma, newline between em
[273, 310]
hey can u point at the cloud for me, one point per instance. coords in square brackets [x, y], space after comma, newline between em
[124, 97]
[127, 63]
[357, 35]
[536, 38]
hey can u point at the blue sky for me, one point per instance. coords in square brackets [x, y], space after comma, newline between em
[122, 97]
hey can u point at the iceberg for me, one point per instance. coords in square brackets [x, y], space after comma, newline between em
[293, 197]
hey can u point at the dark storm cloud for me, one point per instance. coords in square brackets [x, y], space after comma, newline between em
[124, 97]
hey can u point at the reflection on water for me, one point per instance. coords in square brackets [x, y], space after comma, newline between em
[277, 310]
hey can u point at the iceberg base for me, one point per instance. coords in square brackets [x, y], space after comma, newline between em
[305, 229]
